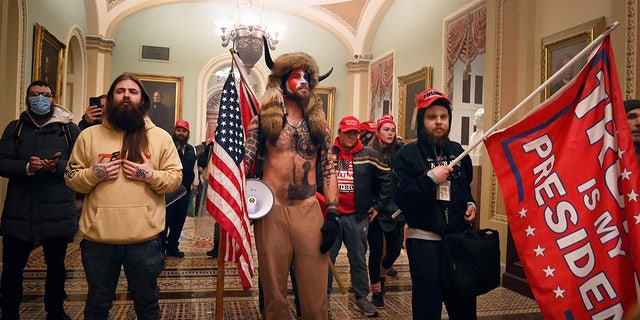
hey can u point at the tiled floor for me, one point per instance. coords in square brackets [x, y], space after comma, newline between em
[188, 288]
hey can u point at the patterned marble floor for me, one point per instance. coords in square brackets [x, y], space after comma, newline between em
[188, 288]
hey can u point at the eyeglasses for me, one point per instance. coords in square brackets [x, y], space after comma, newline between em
[36, 93]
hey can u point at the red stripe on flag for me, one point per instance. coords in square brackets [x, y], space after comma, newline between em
[570, 179]
[225, 195]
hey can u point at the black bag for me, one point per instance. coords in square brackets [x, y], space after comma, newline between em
[470, 261]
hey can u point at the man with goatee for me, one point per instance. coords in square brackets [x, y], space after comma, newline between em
[177, 211]
[124, 166]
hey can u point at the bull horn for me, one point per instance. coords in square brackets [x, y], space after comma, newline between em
[267, 54]
[326, 75]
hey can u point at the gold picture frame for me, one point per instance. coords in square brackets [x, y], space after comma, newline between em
[328, 96]
[558, 48]
[168, 110]
[48, 60]
[410, 86]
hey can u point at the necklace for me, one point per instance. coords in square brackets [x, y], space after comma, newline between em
[301, 142]
[297, 125]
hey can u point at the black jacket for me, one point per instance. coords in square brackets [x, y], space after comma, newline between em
[372, 181]
[188, 159]
[415, 192]
[40, 206]
[384, 218]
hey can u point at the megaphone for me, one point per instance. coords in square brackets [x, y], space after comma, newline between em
[259, 198]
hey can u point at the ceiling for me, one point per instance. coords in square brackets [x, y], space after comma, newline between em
[354, 22]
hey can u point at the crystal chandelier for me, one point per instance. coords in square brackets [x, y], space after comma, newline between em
[247, 32]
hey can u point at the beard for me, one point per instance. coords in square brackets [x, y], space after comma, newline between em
[298, 96]
[428, 138]
[128, 119]
[181, 141]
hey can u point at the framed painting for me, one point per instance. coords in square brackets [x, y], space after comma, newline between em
[559, 48]
[410, 86]
[48, 59]
[328, 96]
[166, 99]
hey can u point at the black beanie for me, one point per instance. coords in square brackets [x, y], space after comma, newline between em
[631, 104]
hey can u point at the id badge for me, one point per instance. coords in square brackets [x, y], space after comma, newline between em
[444, 191]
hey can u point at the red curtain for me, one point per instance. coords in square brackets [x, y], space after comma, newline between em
[466, 38]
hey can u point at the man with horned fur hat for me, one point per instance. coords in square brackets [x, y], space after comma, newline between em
[292, 135]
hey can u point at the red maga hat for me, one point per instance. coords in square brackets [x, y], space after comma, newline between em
[430, 96]
[349, 123]
[182, 124]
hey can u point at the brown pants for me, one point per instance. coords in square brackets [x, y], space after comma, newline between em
[291, 236]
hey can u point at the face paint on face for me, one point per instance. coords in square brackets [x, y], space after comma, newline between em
[298, 79]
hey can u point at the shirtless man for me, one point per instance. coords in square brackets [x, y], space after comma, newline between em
[293, 136]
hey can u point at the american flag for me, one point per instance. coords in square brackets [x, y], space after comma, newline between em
[225, 195]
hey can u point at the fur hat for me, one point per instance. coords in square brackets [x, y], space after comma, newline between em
[272, 102]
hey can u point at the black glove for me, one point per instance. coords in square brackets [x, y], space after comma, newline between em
[330, 230]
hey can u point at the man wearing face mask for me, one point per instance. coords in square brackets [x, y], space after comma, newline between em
[39, 207]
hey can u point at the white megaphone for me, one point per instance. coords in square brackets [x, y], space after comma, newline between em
[259, 198]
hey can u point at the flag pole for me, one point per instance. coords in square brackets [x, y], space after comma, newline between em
[537, 91]
[241, 68]
[220, 277]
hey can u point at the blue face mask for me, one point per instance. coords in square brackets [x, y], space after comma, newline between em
[40, 105]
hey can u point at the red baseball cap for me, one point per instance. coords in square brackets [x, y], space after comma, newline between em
[182, 124]
[385, 118]
[368, 125]
[349, 123]
[430, 96]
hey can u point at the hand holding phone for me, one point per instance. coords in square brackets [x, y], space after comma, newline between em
[93, 114]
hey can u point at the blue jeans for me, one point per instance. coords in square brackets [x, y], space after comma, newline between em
[15, 254]
[426, 294]
[142, 263]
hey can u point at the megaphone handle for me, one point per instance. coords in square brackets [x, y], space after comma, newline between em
[343, 289]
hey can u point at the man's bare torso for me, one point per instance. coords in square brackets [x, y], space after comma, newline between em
[289, 166]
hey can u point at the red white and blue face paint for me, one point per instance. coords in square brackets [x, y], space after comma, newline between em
[297, 80]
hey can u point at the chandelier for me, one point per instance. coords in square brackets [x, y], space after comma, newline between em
[247, 32]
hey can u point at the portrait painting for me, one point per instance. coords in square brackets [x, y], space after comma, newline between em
[410, 86]
[560, 48]
[166, 99]
[48, 57]
[327, 95]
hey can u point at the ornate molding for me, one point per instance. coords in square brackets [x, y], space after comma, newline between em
[493, 181]
[100, 43]
[630, 49]
[358, 65]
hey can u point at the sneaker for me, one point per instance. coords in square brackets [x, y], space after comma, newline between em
[363, 305]
[392, 272]
[378, 300]
[213, 253]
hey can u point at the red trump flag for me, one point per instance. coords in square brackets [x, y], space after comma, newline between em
[570, 179]
[225, 194]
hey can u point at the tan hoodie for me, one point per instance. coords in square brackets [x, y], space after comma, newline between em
[122, 211]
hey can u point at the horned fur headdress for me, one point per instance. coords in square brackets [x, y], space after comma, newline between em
[272, 115]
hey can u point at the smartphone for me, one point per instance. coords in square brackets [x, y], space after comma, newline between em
[95, 101]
